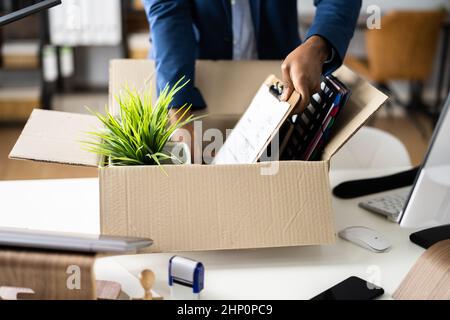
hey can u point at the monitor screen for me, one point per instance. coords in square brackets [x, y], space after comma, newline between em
[13, 10]
[429, 202]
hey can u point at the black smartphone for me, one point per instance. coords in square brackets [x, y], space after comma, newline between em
[353, 288]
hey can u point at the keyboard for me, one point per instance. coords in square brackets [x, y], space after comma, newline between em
[390, 205]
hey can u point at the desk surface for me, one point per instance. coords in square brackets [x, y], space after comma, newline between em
[281, 273]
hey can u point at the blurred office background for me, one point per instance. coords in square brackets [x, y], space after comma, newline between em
[59, 60]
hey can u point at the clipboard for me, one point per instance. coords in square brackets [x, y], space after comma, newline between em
[258, 126]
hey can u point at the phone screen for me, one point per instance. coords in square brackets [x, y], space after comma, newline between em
[353, 288]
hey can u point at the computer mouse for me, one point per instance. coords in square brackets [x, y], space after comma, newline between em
[366, 238]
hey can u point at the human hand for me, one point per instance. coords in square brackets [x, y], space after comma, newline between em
[302, 70]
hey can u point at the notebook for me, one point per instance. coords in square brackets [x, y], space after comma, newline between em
[304, 135]
[258, 126]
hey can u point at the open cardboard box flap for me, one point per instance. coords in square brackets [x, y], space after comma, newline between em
[228, 87]
[364, 101]
[53, 136]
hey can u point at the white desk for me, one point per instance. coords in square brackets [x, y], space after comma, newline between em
[281, 273]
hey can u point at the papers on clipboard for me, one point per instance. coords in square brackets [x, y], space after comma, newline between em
[257, 127]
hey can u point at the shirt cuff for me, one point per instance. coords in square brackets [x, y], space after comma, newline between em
[331, 55]
[333, 61]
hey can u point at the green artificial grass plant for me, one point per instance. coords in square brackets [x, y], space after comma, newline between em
[139, 135]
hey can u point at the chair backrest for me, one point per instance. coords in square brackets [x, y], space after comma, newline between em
[371, 148]
[405, 46]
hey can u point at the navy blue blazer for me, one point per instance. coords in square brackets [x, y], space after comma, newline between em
[185, 30]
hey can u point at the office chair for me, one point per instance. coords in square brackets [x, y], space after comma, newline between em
[403, 49]
[371, 148]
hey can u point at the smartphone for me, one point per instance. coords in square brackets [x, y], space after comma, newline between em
[353, 288]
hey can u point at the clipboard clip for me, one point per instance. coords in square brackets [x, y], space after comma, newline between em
[276, 89]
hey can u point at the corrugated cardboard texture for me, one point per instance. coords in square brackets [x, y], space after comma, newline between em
[219, 207]
[364, 101]
[241, 78]
[52, 136]
[225, 207]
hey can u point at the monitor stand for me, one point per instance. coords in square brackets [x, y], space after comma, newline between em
[428, 237]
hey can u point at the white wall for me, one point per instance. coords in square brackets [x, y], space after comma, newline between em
[95, 71]
[307, 6]
[357, 45]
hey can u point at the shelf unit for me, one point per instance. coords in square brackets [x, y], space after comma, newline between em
[135, 44]
[20, 45]
[136, 30]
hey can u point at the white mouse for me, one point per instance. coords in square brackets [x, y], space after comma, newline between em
[366, 238]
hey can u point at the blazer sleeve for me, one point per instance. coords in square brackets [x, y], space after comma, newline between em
[335, 21]
[174, 47]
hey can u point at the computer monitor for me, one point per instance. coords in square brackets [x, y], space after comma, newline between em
[428, 204]
[25, 10]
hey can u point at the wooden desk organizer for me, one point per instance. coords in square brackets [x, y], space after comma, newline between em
[429, 278]
[51, 275]
[48, 275]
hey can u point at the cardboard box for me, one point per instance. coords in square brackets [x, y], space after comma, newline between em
[198, 207]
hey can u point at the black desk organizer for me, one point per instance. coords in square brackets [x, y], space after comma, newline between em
[300, 130]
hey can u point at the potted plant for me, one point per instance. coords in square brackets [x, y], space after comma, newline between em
[140, 135]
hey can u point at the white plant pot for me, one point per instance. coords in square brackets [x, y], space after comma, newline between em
[179, 149]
